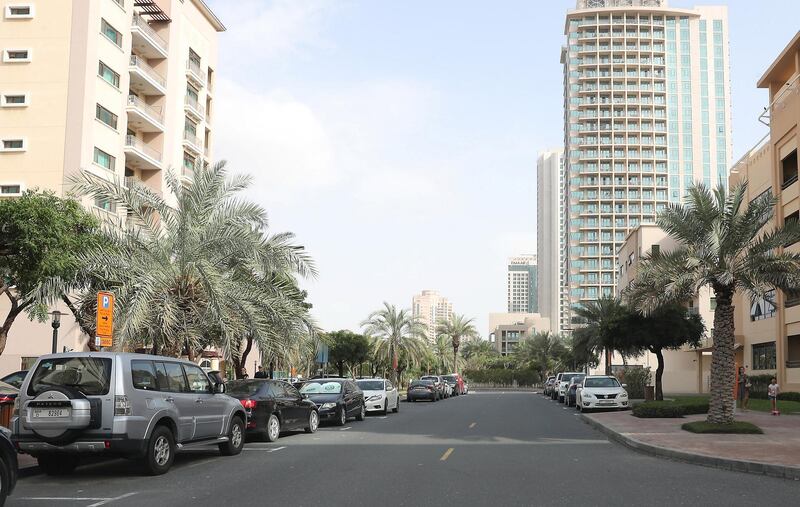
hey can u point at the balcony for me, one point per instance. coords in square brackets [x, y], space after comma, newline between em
[195, 74]
[146, 41]
[138, 155]
[193, 108]
[192, 143]
[145, 79]
[144, 117]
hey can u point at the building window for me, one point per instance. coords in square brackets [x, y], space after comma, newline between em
[106, 116]
[16, 144]
[188, 164]
[105, 205]
[19, 11]
[14, 100]
[104, 160]
[9, 190]
[110, 32]
[194, 58]
[761, 308]
[764, 356]
[789, 169]
[17, 55]
[108, 75]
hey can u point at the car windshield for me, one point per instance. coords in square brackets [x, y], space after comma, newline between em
[370, 385]
[321, 388]
[421, 383]
[432, 379]
[601, 382]
[450, 378]
[89, 375]
[567, 378]
[243, 387]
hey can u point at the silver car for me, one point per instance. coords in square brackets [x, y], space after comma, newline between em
[132, 405]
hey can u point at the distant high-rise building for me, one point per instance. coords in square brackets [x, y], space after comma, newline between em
[551, 264]
[521, 284]
[646, 114]
[431, 308]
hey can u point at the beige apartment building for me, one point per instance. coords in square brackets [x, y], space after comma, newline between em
[430, 308]
[121, 88]
[507, 329]
[769, 330]
[686, 370]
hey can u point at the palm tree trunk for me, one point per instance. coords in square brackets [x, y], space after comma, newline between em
[659, 373]
[455, 360]
[608, 361]
[723, 361]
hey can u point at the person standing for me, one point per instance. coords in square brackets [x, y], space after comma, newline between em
[261, 373]
[743, 388]
[773, 390]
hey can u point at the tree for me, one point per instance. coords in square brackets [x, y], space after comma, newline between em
[669, 327]
[199, 270]
[43, 238]
[477, 353]
[600, 333]
[725, 244]
[347, 348]
[396, 331]
[457, 328]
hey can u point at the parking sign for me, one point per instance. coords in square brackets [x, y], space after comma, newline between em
[105, 319]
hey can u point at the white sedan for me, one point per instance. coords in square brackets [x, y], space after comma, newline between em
[601, 391]
[379, 395]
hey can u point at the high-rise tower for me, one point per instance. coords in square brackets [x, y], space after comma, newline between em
[549, 234]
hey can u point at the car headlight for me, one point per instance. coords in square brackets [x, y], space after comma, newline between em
[587, 395]
[623, 394]
[375, 398]
[327, 406]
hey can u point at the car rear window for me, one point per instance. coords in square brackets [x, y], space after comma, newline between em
[89, 375]
[422, 383]
[244, 387]
[370, 385]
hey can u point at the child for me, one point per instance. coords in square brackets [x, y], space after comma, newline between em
[772, 393]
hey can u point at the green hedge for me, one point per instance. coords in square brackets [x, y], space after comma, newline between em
[636, 380]
[503, 376]
[736, 427]
[666, 409]
[758, 389]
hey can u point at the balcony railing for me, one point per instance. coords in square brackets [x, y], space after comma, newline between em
[194, 70]
[140, 146]
[149, 110]
[195, 105]
[139, 63]
[140, 23]
[193, 140]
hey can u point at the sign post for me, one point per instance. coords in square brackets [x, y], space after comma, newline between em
[105, 320]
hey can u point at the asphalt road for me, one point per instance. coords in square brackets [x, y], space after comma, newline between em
[484, 449]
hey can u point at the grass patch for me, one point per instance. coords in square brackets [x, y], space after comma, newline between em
[756, 405]
[740, 427]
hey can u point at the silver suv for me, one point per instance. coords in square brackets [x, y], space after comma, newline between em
[131, 405]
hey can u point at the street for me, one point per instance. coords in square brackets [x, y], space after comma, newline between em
[487, 448]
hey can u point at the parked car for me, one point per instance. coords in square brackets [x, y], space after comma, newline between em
[438, 382]
[456, 382]
[132, 405]
[273, 406]
[569, 395]
[466, 387]
[8, 393]
[422, 390]
[601, 391]
[338, 399]
[8, 465]
[548, 385]
[563, 383]
[554, 387]
[379, 395]
[15, 379]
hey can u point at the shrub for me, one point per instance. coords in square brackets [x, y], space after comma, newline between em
[503, 376]
[758, 385]
[665, 409]
[636, 379]
[736, 427]
[789, 396]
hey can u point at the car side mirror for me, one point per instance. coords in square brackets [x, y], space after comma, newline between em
[624, 385]
[219, 388]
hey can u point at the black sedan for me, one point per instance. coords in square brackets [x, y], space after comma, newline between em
[338, 399]
[569, 397]
[422, 390]
[273, 406]
[8, 465]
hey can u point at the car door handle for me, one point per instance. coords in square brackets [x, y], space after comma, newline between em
[198, 401]
[170, 399]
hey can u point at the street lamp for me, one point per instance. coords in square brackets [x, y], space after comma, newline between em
[56, 323]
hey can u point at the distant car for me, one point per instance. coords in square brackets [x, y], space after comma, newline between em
[456, 382]
[15, 379]
[8, 465]
[379, 395]
[338, 399]
[466, 387]
[569, 395]
[548, 385]
[601, 391]
[422, 390]
[563, 383]
[273, 406]
[438, 382]
[553, 391]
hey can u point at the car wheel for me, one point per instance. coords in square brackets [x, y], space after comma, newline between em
[5, 480]
[396, 408]
[61, 464]
[273, 430]
[362, 414]
[386, 406]
[313, 422]
[235, 441]
[160, 451]
[342, 417]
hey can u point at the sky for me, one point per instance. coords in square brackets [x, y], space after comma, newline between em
[398, 140]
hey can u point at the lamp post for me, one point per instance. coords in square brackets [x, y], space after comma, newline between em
[56, 323]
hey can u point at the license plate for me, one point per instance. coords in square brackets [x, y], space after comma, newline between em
[43, 413]
[605, 402]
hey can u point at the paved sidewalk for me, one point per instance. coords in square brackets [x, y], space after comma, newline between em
[775, 453]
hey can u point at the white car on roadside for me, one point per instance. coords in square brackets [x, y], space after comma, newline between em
[601, 391]
[380, 395]
[563, 383]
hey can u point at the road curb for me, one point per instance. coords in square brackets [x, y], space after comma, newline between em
[751, 467]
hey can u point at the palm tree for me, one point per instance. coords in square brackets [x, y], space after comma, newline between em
[457, 328]
[723, 243]
[396, 331]
[198, 270]
[441, 348]
[598, 334]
